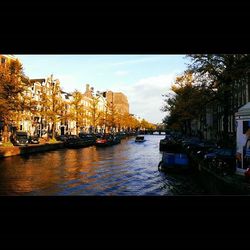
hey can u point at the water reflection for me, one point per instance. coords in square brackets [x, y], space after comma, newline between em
[124, 169]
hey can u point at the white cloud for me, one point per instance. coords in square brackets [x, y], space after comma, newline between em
[145, 96]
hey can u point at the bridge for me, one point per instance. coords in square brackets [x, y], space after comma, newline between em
[152, 132]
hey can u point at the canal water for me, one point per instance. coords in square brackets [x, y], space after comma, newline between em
[128, 168]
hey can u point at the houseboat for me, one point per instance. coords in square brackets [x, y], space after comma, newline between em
[174, 163]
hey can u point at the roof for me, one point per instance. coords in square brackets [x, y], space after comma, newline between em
[244, 110]
[37, 80]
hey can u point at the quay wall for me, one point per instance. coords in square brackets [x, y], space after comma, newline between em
[30, 149]
[222, 185]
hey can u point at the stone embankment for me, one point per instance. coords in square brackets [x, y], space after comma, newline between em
[30, 149]
[223, 185]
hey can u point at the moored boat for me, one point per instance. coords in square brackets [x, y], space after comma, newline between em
[73, 141]
[104, 140]
[174, 163]
[116, 140]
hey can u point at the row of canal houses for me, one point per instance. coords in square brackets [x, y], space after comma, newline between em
[40, 125]
[210, 124]
[37, 124]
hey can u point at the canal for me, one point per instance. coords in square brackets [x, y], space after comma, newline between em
[128, 168]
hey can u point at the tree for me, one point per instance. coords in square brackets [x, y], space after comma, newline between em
[111, 115]
[185, 103]
[126, 121]
[77, 109]
[94, 113]
[13, 83]
[222, 70]
[52, 104]
[147, 125]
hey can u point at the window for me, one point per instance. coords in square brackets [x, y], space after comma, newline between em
[246, 126]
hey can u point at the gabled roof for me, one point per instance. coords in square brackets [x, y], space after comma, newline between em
[244, 110]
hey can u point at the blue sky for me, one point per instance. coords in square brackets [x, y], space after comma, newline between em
[143, 78]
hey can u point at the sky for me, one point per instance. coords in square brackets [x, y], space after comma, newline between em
[142, 78]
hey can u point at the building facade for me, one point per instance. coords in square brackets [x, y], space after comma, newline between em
[45, 93]
[119, 100]
[210, 125]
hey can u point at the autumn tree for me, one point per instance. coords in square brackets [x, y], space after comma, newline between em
[185, 102]
[94, 113]
[111, 115]
[126, 121]
[29, 107]
[147, 125]
[13, 83]
[52, 104]
[77, 109]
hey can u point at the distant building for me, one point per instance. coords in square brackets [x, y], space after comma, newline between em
[119, 100]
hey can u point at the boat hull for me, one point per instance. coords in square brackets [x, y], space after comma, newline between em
[175, 169]
[174, 163]
[78, 144]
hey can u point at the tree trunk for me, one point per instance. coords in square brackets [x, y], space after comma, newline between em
[53, 130]
[5, 133]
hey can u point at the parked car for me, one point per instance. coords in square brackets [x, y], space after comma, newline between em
[20, 138]
[169, 144]
[61, 138]
[221, 160]
[197, 151]
[122, 135]
[34, 140]
[189, 142]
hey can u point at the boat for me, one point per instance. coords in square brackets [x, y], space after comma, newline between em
[174, 163]
[139, 138]
[73, 141]
[90, 139]
[170, 145]
[104, 140]
[116, 140]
